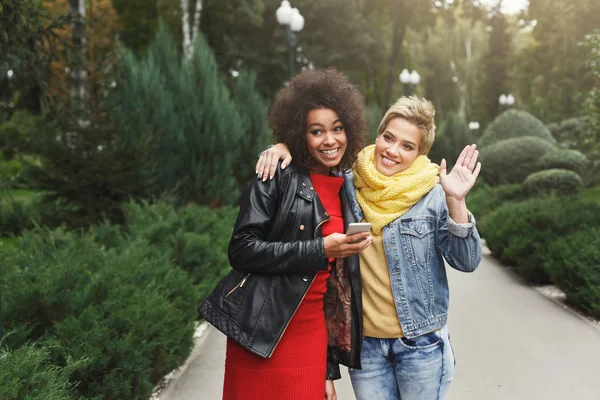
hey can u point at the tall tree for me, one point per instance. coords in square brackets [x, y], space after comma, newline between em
[495, 67]
[551, 71]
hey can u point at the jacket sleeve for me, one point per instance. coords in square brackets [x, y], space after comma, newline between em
[249, 251]
[460, 244]
[333, 365]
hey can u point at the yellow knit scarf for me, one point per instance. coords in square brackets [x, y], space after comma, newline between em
[385, 198]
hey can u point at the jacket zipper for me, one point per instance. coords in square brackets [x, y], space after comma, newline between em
[239, 285]
[301, 300]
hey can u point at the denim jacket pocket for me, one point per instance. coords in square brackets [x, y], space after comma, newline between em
[418, 238]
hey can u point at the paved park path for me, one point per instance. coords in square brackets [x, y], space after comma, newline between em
[511, 343]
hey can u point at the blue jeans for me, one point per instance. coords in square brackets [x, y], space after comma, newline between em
[405, 369]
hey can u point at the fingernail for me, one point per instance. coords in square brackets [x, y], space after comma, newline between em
[265, 179]
[271, 177]
[282, 166]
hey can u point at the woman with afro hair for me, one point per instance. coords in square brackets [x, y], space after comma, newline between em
[291, 304]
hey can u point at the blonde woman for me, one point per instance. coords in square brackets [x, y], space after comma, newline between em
[420, 218]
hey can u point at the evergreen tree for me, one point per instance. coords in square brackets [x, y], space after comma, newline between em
[193, 114]
[252, 109]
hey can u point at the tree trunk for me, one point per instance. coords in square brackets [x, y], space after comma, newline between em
[190, 33]
[79, 93]
[397, 39]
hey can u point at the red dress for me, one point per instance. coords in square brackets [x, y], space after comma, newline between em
[298, 368]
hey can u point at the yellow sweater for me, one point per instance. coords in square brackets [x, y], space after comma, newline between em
[380, 318]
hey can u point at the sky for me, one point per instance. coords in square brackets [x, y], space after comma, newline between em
[509, 6]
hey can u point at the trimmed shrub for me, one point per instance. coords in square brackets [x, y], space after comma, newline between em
[556, 181]
[519, 234]
[569, 131]
[574, 265]
[119, 320]
[573, 160]
[512, 160]
[26, 374]
[483, 199]
[514, 124]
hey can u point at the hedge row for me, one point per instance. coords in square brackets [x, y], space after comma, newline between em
[114, 308]
[551, 240]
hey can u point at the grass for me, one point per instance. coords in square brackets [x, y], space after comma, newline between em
[592, 194]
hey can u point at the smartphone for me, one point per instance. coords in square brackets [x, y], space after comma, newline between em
[358, 227]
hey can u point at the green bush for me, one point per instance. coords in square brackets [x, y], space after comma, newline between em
[27, 374]
[514, 124]
[560, 182]
[483, 199]
[10, 170]
[195, 238]
[16, 216]
[569, 131]
[512, 160]
[18, 132]
[118, 319]
[573, 160]
[519, 234]
[574, 265]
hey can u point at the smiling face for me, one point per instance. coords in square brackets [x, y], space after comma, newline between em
[397, 147]
[325, 138]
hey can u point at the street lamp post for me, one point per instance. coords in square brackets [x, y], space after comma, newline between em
[506, 101]
[410, 80]
[293, 22]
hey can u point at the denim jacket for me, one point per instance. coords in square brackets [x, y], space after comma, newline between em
[416, 245]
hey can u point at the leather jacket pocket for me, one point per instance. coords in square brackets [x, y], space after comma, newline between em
[233, 290]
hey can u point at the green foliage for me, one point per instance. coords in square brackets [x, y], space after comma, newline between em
[483, 199]
[28, 44]
[93, 169]
[17, 132]
[374, 115]
[569, 131]
[555, 94]
[592, 194]
[118, 319]
[514, 124]
[512, 160]
[573, 263]
[454, 134]
[573, 160]
[9, 171]
[26, 374]
[519, 234]
[138, 20]
[255, 133]
[591, 138]
[195, 238]
[16, 216]
[559, 182]
[190, 110]
[495, 80]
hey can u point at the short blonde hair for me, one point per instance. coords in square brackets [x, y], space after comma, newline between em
[417, 111]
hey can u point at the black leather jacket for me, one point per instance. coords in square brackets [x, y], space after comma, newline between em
[276, 251]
